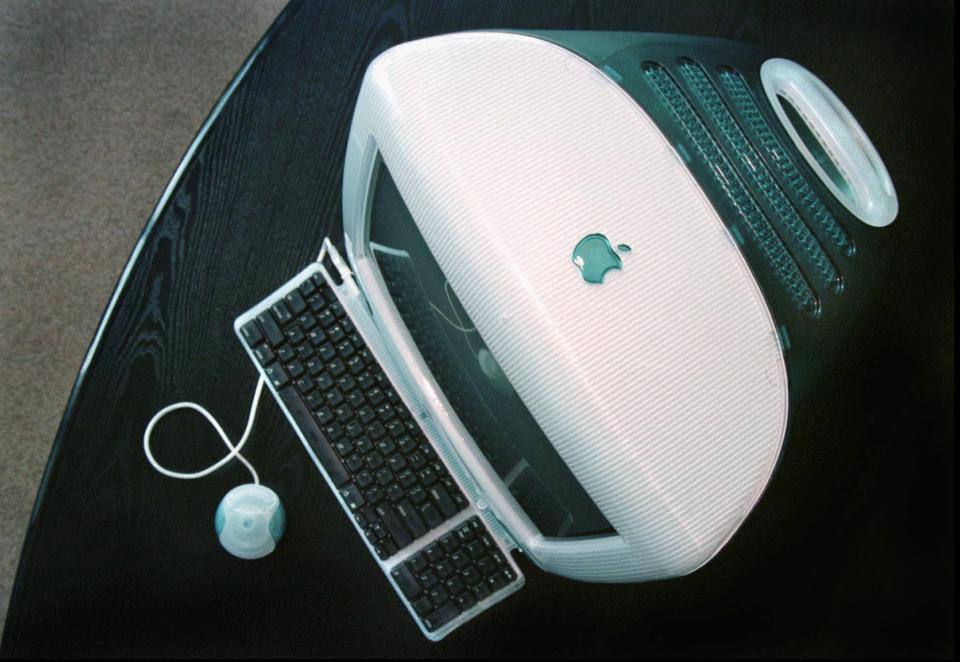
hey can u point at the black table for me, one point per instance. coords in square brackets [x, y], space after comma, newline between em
[849, 552]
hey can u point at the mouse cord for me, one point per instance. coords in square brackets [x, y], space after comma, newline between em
[234, 450]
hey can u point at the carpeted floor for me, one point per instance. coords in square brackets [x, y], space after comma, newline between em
[98, 101]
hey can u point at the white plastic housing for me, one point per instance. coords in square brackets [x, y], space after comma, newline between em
[664, 389]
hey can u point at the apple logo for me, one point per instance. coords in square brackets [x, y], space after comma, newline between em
[594, 257]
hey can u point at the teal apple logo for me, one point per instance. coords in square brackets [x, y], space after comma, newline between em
[594, 257]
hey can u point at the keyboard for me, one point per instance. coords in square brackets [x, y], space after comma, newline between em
[427, 536]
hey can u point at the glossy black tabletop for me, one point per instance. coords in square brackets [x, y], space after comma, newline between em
[849, 552]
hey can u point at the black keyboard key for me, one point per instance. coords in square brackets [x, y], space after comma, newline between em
[464, 601]
[295, 302]
[307, 288]
[344, 447]
[336, 333]
[406, 582]
[396, 462]
[447, 507]
[441, 617]
[431, 515]
[407, 478]
[364, 478]
[419, 495]
[305, 352]
[307, 321]
[325, 318]
[385, 412]
[439, 596]
[487, 566]
[385, 477]
[327, 351]
[374, 494]
[449, 543]
[352, 497]
[270, 329]
[496, 582]
[281, 313]
[481, 591]
[390, 546]
[418, 563]
[465, 532]
[285, 353]
[364, 445]
[251, 333]
[407, 444]
[455, 585]
[460, 559]
[476, 549]
[417, 461]
[374, 460]
[303, 417]
[444, 569]
[365, 380]
[395, 493]
[471, 576]
[354, 463]
[323, 415]
[323, 379]
[386, 446]
[315, 401]
[428, 579]
[427, 477]
[305, 384]
[316, 337]
[276, 375]
[408, 513]
[295, 369]
[264, 354]
[316, 303]
[434, 553]
[295, 335]
[397, 531]
[422, 606]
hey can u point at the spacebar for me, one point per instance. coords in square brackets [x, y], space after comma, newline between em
[308, 426]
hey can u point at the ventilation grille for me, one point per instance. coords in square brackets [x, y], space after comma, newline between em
[746, 106]
[784, 265]
[756, 171]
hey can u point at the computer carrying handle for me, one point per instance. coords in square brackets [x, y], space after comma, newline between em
[831, 140]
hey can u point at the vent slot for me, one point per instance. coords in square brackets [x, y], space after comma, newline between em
[778, 156]
[784, 265]
[759, 175]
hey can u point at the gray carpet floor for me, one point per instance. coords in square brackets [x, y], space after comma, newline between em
[98, 101]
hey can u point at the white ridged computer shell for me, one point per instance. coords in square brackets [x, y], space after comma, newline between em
[664, 389]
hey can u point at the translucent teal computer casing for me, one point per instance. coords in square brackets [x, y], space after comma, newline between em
[753, 205]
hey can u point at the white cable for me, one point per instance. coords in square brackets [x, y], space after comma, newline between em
[234, 450]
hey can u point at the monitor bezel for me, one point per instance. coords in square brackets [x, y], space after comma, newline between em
[387, 318]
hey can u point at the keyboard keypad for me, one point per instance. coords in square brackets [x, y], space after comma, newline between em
[386, 470]
[453, 574]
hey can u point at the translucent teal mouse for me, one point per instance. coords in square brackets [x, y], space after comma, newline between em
[250, 521]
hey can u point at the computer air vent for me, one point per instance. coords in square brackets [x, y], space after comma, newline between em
[786, 219]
